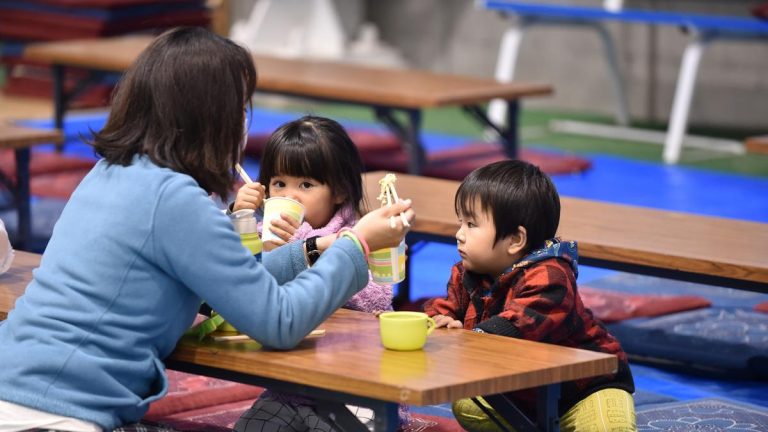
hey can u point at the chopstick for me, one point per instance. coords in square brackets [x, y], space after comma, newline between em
[242, 337]
[243, 174]
[388, 196]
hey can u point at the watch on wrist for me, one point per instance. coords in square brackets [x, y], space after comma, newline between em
[311, 246]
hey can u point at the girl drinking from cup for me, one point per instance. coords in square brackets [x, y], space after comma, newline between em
[311, 160]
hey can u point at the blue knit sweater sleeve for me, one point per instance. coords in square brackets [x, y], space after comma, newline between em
[196, 243]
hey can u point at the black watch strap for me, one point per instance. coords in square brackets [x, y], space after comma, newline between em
[312, 253]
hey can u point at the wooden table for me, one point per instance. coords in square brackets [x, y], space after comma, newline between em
[15, 280]
[386, 91]
[676, 245]
[20, 139]
[349, 366]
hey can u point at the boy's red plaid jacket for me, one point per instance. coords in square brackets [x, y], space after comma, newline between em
[536, 299]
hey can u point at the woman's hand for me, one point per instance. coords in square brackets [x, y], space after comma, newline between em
[447, 322]
[249, 196]
[376, 229]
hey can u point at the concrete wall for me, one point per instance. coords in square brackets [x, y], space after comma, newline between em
[458, 37]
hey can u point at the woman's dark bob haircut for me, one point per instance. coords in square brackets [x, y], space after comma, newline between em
[514, 193]
[182, 103]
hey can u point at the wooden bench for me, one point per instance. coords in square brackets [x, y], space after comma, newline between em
[703, 29]
[20, 139]
[669, 244]
[386, 91]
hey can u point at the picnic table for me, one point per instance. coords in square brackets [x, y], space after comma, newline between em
[386, 91]
[669, 244]
[348, 365]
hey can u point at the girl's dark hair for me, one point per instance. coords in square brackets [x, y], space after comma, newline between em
[319, 148]
[182, 103]
[515, 193]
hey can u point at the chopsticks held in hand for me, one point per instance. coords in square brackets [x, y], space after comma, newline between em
[388, 196]
[243, 174]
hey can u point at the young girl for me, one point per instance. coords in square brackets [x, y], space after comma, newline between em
[141, 242]
[313, 161]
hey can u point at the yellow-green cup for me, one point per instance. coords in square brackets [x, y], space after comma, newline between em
[388, 265]
[272, 209]
[405, 331]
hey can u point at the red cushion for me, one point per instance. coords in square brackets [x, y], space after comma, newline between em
[762, 307]
[223, 418]
[612, 306]
[44, 163]
[188, 392]
[365, 141]
[37, 26]
[456, 163]
[107, 4]
[58, 185]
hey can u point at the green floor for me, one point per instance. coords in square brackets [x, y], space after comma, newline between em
[535, 131]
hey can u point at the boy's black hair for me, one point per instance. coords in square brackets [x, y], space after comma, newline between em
[319, 148]
[182, 103]
[515, 193]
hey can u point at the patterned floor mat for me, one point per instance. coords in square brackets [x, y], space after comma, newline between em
[703, 414]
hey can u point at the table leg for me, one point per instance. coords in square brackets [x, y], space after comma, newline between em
[547, 410]
[681, 106]
[410, 134]
[508, 134]
[24, 222]
[338, 416]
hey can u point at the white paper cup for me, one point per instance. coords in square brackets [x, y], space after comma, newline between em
[388, 265]
[272, 209]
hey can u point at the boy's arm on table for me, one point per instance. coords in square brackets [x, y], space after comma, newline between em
[448, 311]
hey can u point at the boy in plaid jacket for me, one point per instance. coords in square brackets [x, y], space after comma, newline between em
[516, 279]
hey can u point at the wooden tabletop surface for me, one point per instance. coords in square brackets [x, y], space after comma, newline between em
[15, 280]
[15, 136]
[308, 78]
[453, 364]
[349, 357]
[636, 235]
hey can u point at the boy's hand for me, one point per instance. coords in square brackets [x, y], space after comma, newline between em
[285, 228]
[249, 196]
[447, 322]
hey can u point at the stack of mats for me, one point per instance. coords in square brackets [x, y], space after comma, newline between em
[23, 22]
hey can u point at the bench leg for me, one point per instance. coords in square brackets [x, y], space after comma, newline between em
[622, 106]
[681, 105]
[410, 134]
[24, 223]
[505, 70]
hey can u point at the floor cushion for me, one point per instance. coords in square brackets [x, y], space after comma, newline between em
[612, 306]
[722, 339]
[702, 415]
[220, 418]
[365, 141]
[456, 163]
[44, 163]
[189, 392]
